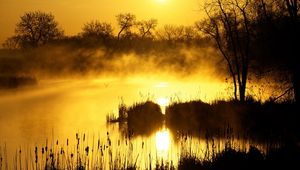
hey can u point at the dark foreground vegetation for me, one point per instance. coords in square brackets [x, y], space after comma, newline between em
[105, 154]
[286, 157]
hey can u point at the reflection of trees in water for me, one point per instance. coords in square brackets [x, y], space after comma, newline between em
[221, 119]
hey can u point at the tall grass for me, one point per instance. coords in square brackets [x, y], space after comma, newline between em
[105, 154]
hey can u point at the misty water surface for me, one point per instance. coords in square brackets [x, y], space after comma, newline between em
[58, 109]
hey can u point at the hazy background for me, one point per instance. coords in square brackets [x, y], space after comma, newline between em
[71, 15]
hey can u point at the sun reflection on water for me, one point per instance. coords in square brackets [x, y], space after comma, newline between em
[163, 141]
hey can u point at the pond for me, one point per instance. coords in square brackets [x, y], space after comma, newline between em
[60, 113]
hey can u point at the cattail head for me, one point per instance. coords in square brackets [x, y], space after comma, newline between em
[87, 151]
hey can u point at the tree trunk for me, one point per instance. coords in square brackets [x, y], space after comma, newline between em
[242, 93]
[296, 85]
[235, 88]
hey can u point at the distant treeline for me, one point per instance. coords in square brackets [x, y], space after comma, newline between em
[40, 48]
[40, 28]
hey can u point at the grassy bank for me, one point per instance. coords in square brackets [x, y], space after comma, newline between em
[259, 121]
[251, 118]
[141, 118]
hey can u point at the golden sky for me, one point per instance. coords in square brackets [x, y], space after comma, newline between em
[72, 14]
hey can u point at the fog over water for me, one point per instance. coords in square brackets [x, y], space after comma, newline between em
[58, 109]
[78, 87]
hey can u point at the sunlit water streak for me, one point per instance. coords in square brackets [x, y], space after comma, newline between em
[56, 111]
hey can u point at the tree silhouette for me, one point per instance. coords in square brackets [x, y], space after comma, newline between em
[96, 29]
[293, 7]
[11, 43]
[277, 38]
[171, 33]
[125, 22]
[190, 33]
[229, 25]
[37, 28]
[146, 28]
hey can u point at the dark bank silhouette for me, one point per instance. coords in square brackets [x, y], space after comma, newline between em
[286, 157]
[250, 119]
[139, 119]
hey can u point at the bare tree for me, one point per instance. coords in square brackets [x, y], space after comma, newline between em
[146, 28]
[293, 7]
[190, 33]
[228, 23]
[125, 21]
[11, 43]
[96, 29]
[37, 28]
[171, 33]
[277, 22]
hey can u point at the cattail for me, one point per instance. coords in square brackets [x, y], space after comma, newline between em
[109, 142]
[87, 151]
[67, 142]
[36, 157]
